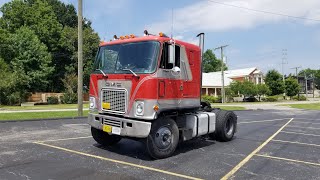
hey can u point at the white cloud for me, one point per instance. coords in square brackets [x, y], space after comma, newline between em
[208, 16]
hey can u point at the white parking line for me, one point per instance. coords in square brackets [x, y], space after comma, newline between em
[120, 162]
[286, 159]
[305, 122]
[53, 140]
[262, 121]
[246, 159]
[295, 142]
[303, 127]
[291, 132]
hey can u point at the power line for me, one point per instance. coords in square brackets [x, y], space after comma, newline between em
[262, 11]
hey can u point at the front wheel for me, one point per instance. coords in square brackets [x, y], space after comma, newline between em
[104, 138]
[163, 138]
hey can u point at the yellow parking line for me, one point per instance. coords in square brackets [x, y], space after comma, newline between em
[286, 159]
[119, 162]
[271, 120]
[245, 160]
[295, 142]
[64, 139]
[290, 132]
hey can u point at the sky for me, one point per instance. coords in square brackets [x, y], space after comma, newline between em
[254, 38]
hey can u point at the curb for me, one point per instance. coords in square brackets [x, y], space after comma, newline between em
[46, 119]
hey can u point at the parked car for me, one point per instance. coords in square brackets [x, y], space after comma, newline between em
[250, 99]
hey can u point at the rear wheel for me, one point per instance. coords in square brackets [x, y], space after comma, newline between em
[104, 138]
[163, 138]
[226, 124]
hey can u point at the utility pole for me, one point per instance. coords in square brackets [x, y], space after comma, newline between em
[296, 68]
[223, 94]
[80, 60]
[283, 62]
[306, 83]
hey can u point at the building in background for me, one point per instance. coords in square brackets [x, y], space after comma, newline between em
[212, 82]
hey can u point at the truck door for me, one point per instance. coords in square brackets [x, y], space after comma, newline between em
[186, 64]
[170, 83]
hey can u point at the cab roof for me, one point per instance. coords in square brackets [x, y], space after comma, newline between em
[149, 38]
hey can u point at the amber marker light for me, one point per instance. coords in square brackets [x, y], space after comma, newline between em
[155, 107]
[132, 36]
[160, 34]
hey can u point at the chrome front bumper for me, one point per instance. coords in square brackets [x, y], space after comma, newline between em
[128, 127]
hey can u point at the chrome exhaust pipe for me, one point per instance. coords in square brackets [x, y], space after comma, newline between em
[201, 45]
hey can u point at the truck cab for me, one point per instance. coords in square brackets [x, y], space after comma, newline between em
[142, 82]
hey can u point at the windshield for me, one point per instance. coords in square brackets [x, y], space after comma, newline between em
[139, 57]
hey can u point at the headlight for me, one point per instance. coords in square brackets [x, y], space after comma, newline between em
[139, 108]
[92, 104]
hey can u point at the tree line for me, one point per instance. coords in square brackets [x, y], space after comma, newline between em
[274, 85]
[38, 48]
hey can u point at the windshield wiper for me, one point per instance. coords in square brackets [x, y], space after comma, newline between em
[131, 72]
[104, 74]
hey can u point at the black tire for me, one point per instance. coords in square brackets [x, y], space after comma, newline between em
[104, 138]
[226, 125]
[163, 138]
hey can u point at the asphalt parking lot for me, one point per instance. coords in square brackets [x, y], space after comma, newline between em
[268, 145]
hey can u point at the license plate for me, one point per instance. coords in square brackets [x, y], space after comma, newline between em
[107, 128]
[106, 105]
[110, 129]
[116, 130]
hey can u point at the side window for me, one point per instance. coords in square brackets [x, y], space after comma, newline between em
[177, 56]
[165, 55]
[164, 58]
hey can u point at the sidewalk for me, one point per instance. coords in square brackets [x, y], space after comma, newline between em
[269, 106]
[38, 110]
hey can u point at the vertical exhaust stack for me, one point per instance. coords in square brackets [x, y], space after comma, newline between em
[201, 45]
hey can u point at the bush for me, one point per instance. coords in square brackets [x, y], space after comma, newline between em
[300, 98]
[271, 99]
[69, 98]
[13, 99]
[211, 99]
[53, 100]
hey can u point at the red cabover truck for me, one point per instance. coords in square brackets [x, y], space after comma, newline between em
[149, 88]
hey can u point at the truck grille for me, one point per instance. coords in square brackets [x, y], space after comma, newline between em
[113, 123]
[117, 99]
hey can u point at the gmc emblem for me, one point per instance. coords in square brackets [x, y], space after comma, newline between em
[113, 84]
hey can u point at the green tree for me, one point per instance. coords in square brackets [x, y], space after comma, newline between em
[235, 87]
[69, 41]
[55, 24]
[6, 82]
[262, 89]
[274, 82]
[246, 88]
[38, 15]
[30, 63]
[211, 63]
[292, 87]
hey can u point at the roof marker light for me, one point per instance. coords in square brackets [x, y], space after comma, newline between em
[145, 32]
